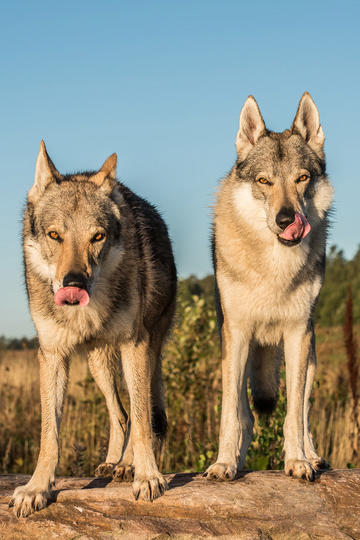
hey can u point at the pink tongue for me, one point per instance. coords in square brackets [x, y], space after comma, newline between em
[299, 228]
[71, 295]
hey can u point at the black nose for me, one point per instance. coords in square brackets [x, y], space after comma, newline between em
[75, 280]
[285, 217]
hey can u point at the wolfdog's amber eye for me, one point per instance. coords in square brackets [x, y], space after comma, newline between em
[98, 237]
[303, 178]
[263, 181]
[54, 235]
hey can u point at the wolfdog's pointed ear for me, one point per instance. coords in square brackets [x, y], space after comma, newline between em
[251, 126]
[45, 172]
[307, 124]
[105, 177]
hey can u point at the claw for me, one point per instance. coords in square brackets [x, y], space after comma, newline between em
[27, 500]
[221, 471]
[149, 488]
[320, 464]
[104, 469]
[123, 473]
[300, 468]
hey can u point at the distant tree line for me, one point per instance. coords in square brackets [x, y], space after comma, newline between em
[340, 275]
[18, 344]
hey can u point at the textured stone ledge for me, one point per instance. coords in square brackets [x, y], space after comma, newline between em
[260, 505]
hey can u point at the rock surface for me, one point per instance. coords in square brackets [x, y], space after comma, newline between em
[260, 505]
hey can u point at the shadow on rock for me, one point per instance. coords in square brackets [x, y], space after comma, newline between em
[98, 482]
[181, 479]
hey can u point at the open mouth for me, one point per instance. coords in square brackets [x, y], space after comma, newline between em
[296, 231]
[71, 296]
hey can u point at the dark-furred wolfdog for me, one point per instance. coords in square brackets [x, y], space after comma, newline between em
[101, 280]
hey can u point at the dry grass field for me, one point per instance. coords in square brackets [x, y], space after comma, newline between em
[192, 377]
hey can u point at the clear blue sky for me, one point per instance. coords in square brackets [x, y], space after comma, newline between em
[162, 84]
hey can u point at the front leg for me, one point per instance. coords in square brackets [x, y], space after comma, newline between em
[236, 424]
[138, 361]
[103, 364]
[297, 348]
[316, 461]
[53, 381]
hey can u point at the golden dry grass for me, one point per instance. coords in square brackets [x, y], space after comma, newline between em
[193, 380]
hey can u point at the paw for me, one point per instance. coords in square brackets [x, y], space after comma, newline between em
[319, 464]
[104, 469]
[221, 471]
[27, 500]
[149, 488]
[123, 473]
[300, 468]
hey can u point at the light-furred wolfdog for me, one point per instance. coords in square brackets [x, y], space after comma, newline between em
[269, 240]
[101, 279]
